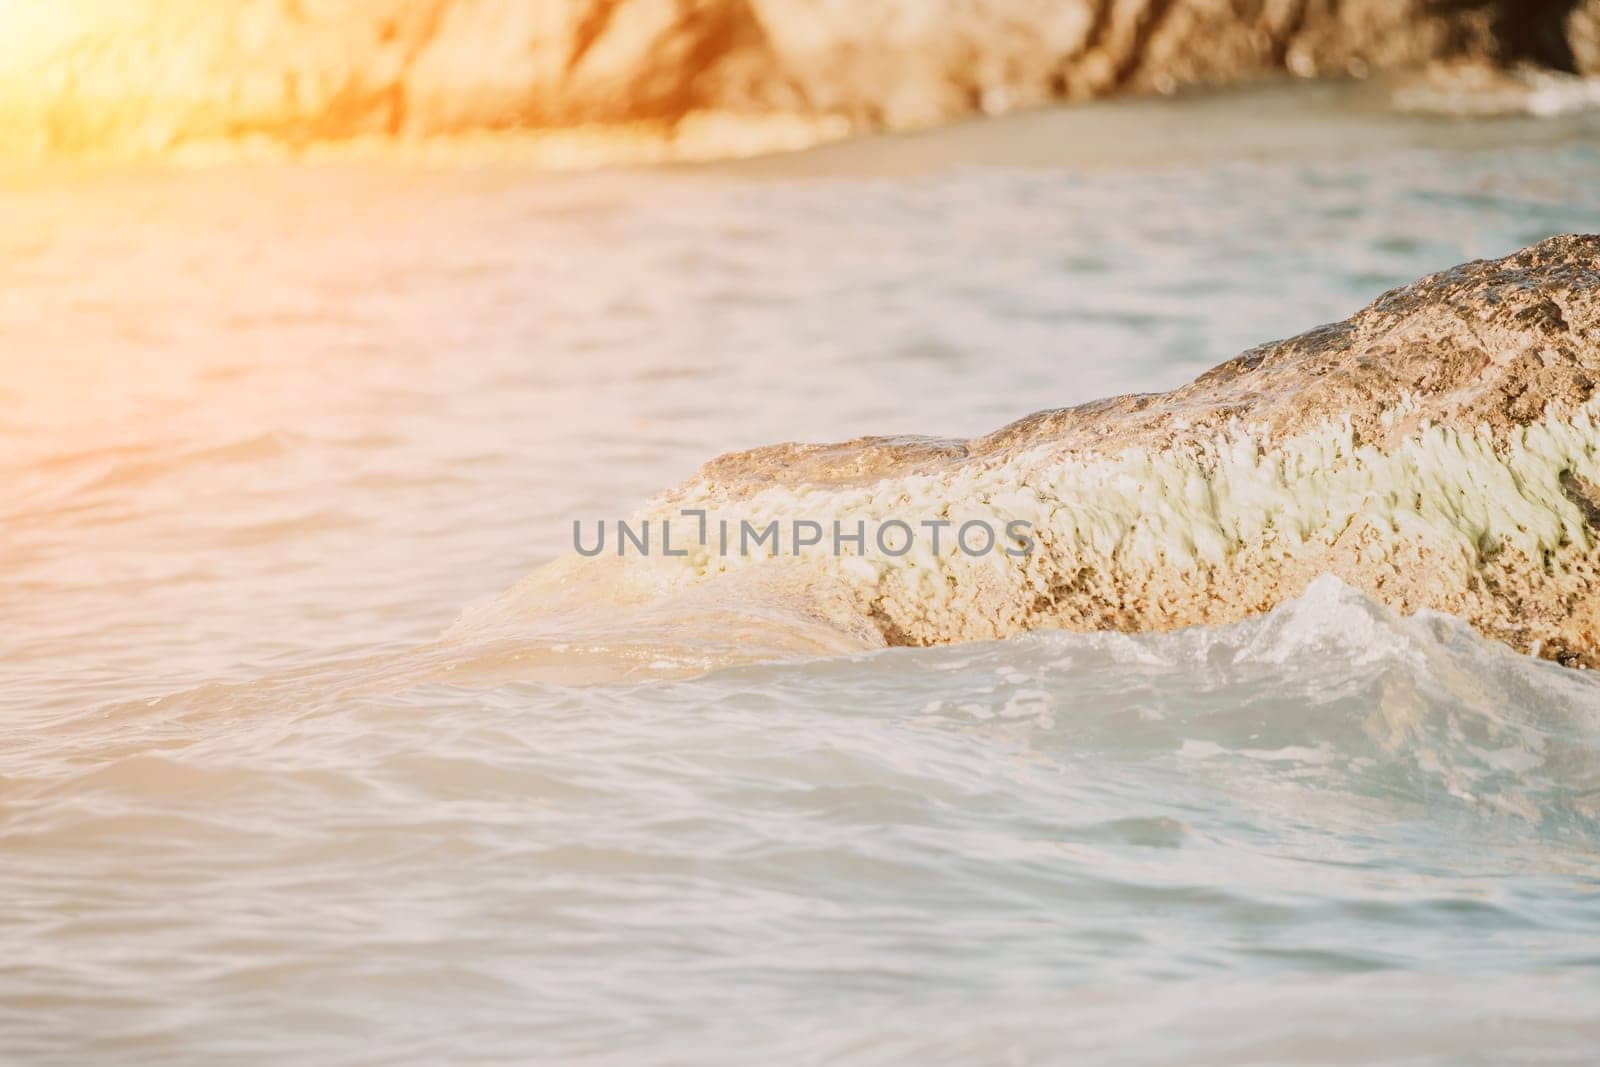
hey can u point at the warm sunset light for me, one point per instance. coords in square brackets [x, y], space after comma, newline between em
[31, 28]
[799, 532]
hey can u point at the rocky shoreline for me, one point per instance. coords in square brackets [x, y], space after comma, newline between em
[151, 77]
[1438, 450]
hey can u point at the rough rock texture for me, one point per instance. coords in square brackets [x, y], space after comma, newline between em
[1440, 449]
[139, 77]
[1489, 343]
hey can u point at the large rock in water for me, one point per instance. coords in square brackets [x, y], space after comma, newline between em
[1439, 450]
[139, 77]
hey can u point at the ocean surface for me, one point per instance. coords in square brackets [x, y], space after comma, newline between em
[265, 429]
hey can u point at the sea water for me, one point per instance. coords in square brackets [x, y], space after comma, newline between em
[265, 429]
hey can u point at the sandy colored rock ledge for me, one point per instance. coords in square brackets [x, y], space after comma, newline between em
[1439, 449]
[131, 78]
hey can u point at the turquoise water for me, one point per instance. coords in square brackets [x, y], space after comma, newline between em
[269, 428]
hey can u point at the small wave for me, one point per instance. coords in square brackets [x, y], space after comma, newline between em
[1331, 688]
[1481, 91]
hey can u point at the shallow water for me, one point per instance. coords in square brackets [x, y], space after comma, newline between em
[267, 428]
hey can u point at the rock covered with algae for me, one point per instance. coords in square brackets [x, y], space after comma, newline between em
[1439, 449]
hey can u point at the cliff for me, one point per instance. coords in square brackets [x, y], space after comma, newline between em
[130, 78]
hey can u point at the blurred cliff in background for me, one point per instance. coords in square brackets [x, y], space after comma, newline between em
[135, 78]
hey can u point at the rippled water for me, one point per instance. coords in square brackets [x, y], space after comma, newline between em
[265, 429]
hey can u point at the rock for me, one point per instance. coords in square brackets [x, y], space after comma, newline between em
[1440, 449]
[144, 77]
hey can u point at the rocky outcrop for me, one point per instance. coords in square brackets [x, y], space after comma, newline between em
[1438, 450]
[142, 77]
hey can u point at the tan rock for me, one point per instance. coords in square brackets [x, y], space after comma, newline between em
[142, 77]
[1439, 449]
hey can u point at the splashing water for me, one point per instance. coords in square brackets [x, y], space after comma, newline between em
[903, 854]
[245, 819]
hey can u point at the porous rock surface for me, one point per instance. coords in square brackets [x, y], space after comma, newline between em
[1438, 449]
